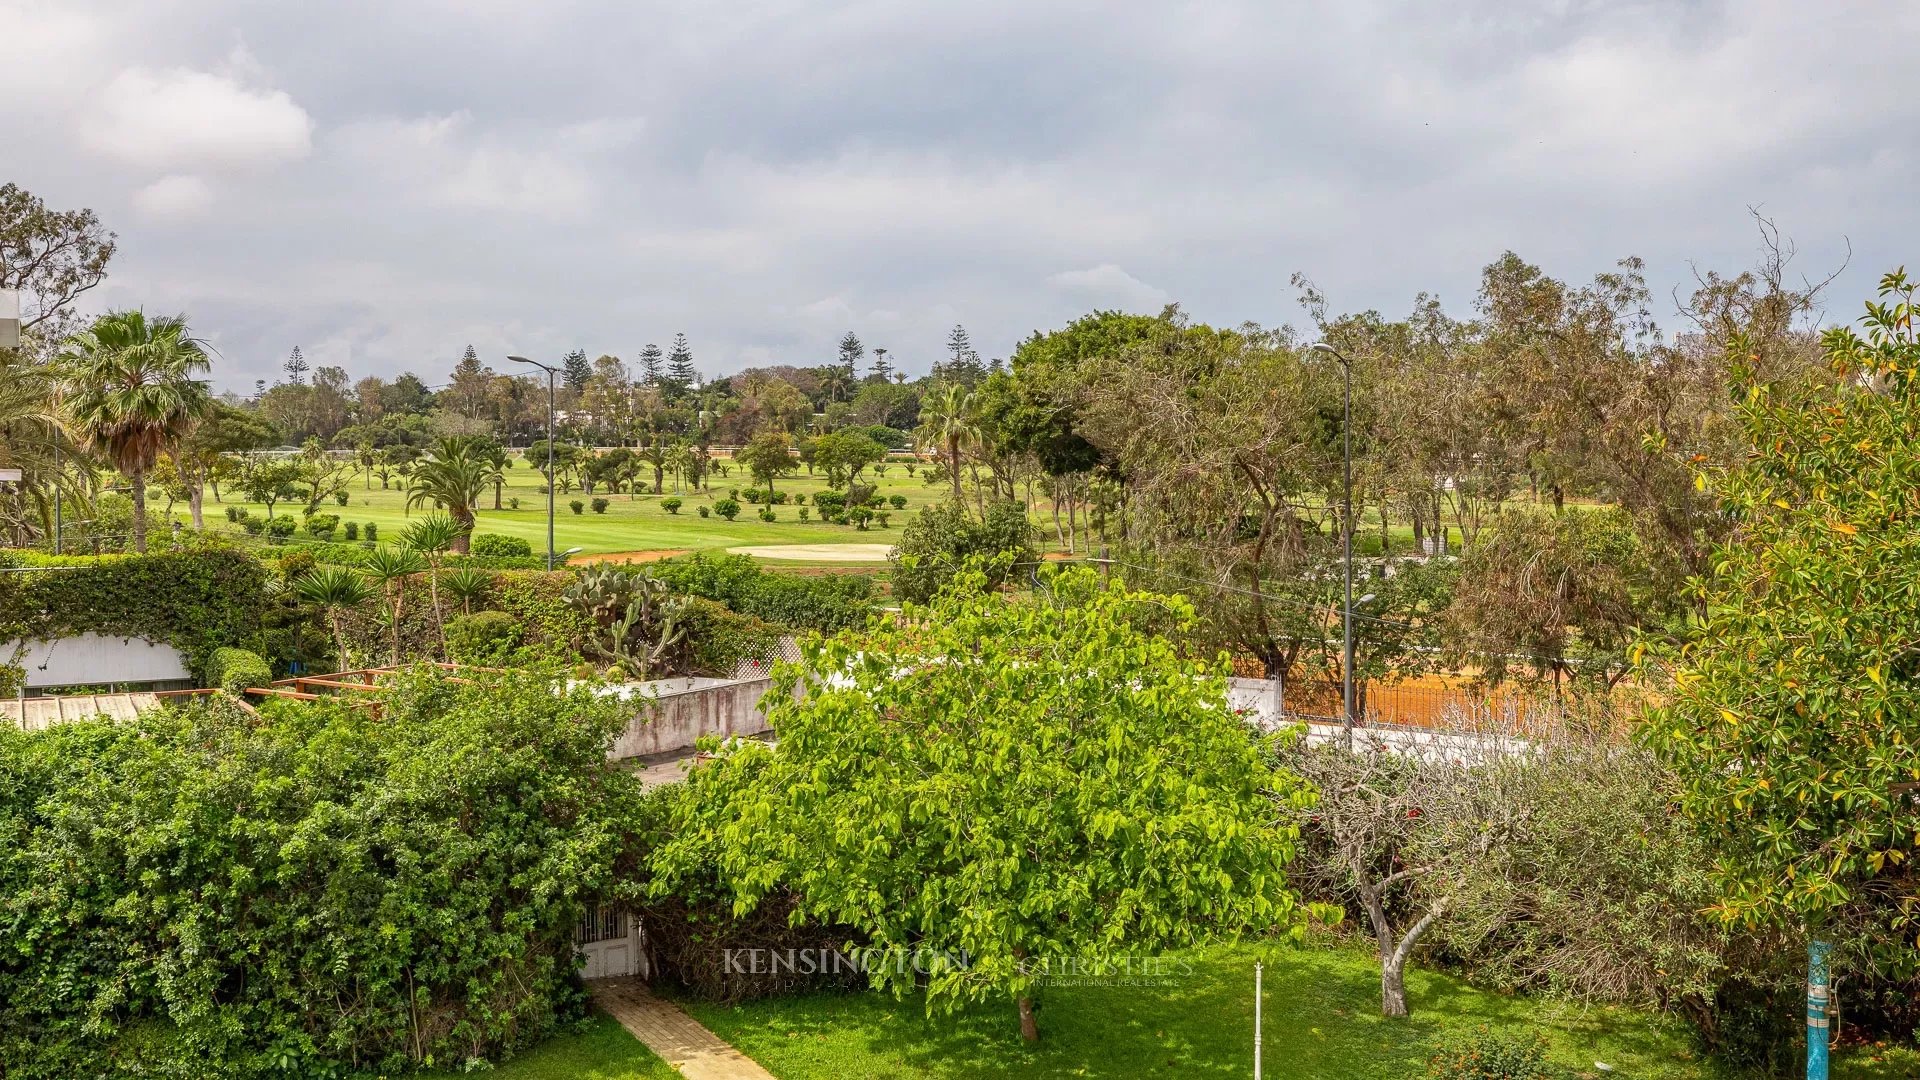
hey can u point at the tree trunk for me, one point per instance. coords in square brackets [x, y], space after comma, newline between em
[496, 494]
[196, 501]
[1029, 1030]
[139, 477]
[463, 544]
[953, 462]
[1393, 987]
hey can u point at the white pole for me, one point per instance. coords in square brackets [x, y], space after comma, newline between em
[1256, 1020]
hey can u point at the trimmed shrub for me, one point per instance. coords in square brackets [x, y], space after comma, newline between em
[353, 531]
[496, 544]
[671, 506]
[448, 847]
[513, 502]
[768, 515]
[340, 498]
[487, 638]
[727, 508]
[600, 505]
[898, 502]
[825, 602]
[803, 513]
[282, 527]
[373, 533]
[777, 498]
[323, 526]
[704, 511]
[882, 517]
[233, 514]
[753, 495]
[576, 506]
[830, 502]
[254, 524]
[234, 670]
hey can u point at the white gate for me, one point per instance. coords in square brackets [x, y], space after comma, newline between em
[609, 943]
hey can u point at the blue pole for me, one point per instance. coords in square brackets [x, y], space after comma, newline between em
[1817, 1009]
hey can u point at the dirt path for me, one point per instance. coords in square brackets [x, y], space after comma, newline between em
[817, 552]
[627, 556]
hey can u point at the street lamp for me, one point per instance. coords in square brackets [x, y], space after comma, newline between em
[1346, 532]
[551, 373]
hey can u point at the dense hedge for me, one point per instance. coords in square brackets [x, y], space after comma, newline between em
[236, 669]
[195, 600]
[323, 893]
[824, 602]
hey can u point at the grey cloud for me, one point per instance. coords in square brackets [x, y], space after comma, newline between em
[535, 177]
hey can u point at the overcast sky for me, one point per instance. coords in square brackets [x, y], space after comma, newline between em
[382, 183]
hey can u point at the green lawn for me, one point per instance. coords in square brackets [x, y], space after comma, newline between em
[603, 1052]
[631, 523]
[1322, 1022]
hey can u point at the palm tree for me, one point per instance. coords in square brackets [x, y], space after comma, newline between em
[467, 585]
[134, 394]
[336, 589]
[680, 458]
[389, 567]
[499, 461]
[949, 420]
[34, 439]
[433, 536]
[453, 478]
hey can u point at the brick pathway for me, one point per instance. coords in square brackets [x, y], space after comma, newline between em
[699, 1054]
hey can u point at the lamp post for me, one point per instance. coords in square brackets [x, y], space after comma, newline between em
[1346, 533]
[551, 372]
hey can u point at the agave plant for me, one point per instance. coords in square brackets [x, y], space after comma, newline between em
[389, 567]
[336, 589]
[468, 585]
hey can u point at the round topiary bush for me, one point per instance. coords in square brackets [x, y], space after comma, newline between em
[494, 544]
[898, 502]
[600, 505]
[671, 506]
[353, 531]
[234, 670]
[373, 533]
[576, 506]
[727, 508]
[767, 514]
[704, 511]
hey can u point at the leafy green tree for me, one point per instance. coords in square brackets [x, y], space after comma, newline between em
[767, 456]
[845, 455]
[51, 258]
[575, 370]
[1006, 786]
[134, 395]
[1790, 713]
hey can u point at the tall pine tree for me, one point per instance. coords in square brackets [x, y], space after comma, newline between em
[650, 365]
[882, 371]
[963, 364]
[680, 373]
[575, 370]
[851, 351]
[296, 367]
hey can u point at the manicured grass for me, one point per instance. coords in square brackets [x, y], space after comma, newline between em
[1322, 1022]
[631, 523]
[604, 1051]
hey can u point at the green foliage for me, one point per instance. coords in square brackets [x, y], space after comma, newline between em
[704, 511]
[670, 505]
[824, 602]
[576, 506]
[727, 508]
[320, 893]
[353, 530]
[1028, 784]
[1493, 1055]
[234, 669]
[941, 540]
[718, 638]
[340, 498]
[281, 526]
[898, 502]
[373, 532]
[1789, 713]
[767, 515]
[487, 638]
[322, 526]
[497, 544]
[600, 505]
[195, 600]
